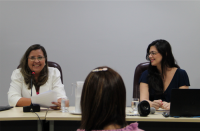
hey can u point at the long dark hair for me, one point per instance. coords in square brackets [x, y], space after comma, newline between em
[155, 78]
[26, 72]
[103, 100]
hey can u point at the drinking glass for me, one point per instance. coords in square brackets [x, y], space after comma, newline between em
[63, 105]
[134, 105]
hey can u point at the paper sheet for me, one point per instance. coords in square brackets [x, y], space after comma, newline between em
[45, 99]
[160, 109]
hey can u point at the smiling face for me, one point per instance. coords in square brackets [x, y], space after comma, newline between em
[36, 65]
[154, 56]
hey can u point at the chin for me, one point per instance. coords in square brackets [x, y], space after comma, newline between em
[153, 64]
[37, 71]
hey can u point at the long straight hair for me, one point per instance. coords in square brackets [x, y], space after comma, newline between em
[26, 71]
[103, 100]
[155, 78]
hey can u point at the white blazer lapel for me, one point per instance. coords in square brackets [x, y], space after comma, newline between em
[33, 91]
[44, 88]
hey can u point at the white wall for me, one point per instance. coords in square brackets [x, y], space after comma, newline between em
[81, 35]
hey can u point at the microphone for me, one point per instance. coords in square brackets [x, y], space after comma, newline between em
[144, 108]
[152, 110]
[32, 107]
[32, 77]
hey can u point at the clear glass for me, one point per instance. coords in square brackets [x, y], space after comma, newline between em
[134, 105]
[63, 105]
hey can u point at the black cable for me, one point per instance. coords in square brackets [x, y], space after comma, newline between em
[47, 110]
[38, 117]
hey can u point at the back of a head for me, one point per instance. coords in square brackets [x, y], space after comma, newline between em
[103, 99]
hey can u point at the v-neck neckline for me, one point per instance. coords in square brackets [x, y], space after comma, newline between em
[171, 80]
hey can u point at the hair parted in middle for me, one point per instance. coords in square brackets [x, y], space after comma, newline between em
[103, 99]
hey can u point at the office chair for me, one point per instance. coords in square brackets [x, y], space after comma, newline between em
[55, 65]
[138, 72]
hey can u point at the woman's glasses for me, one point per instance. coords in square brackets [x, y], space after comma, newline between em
[34, 58]
[152, 53]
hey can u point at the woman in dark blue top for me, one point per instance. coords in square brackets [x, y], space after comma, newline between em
[162, 76]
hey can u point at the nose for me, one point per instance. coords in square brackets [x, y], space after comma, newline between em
[36, 60]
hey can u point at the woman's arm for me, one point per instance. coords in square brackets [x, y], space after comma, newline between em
[144, 92]
[184, 87]
[144, 95]
[59, 88]
[24, 102]
[15, 90]
[57, 85]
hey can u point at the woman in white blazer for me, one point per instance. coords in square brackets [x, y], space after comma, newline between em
[45, 79]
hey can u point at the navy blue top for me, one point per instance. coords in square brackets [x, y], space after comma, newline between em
[179, 79]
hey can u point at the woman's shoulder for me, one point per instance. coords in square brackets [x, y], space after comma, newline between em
[131, 127]
[145, 73]
[181, 71]
[17, 74]
[143, 77]
[182, 77]
[53, 71]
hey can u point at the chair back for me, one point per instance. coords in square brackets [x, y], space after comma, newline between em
[138, 72]
[55, 65]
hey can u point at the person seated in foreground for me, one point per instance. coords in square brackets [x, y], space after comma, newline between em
[103, 102]
[45, 79]
[162, 75]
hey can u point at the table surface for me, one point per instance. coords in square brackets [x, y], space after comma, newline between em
[157, 117]
[58, 115]
[17, 113]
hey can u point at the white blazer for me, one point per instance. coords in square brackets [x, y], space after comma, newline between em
[19, 89]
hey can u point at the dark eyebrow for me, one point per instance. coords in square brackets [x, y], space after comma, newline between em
[37, 56]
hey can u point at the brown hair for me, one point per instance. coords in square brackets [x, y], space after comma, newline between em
[103, 100]
[26, 72]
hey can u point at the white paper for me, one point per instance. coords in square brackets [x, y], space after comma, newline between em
[45, 99]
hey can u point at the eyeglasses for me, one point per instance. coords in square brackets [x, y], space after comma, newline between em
[34, 58]
[152, 53]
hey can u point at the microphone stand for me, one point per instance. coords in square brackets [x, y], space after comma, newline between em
[32, 107]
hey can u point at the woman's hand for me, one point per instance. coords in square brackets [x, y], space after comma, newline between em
[165, 105]
[58, 104]
[156, 104]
